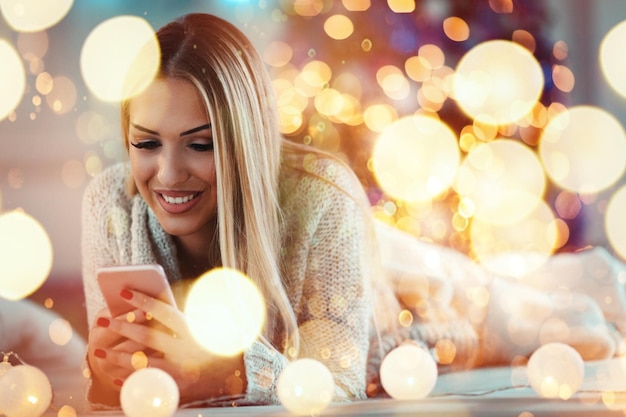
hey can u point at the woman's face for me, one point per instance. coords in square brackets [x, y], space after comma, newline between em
[171, 156]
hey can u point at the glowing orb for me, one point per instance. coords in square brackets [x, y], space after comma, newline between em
[225, 311]
[60, 332]
[12, 79]
[25, 255]
[583, 149]
[615, 221]
[149, 392]
[119, 58]
[498, 80]
[504, 179]
[26, 392]
[34, 15]
[416, 158]
[555, 370]
[305, 387]
[408, 372]
[612, 60]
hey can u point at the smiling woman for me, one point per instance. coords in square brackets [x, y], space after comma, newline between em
[211, 185]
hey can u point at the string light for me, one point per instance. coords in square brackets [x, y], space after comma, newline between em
[26, 390]
[305, 387]
[149, 392]
[408, 372]
[556, 370]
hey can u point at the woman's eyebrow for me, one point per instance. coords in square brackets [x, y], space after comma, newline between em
[196, 129]
[145, 129]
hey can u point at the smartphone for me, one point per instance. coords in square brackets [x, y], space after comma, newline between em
[148, 279]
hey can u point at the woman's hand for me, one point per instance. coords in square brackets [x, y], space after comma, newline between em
[157, 335]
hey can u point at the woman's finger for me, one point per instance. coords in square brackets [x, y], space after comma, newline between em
[155, 309]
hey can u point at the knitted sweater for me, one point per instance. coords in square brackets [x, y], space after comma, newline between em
[347, 276]
[328, 260]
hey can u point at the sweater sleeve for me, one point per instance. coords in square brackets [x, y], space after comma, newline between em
[105, 223]
[328, 262]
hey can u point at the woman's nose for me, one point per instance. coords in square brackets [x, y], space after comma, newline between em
[171, 169]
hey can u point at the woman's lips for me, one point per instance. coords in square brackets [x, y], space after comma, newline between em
[178, 202]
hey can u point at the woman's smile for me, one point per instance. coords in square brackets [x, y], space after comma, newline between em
[177, 202]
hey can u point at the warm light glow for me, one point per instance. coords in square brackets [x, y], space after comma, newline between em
[408, 372]
[149, 392]
[60, 332]
[555, 370]
[456, 29]
[62, 98]
[278, 54]
[416, 158]
[500, 79]
[25, 255]
[612, 59]
[583, 149]
[34, 15]
[305, 387]
[504, 179]
[12, 79]
[379, 117]
[615, 221]
[505, 248]
[119, 58]
[338, 27]
[401, 6]
[26, 392]
[225, 311]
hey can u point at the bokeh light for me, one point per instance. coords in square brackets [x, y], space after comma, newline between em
[612, 59]
[26, 392]
[338, 27]
[119, 58]
[34, 15]
[516, 248]
[149, 392]
[504, 179]
[498, 79]
[305, 387]
[25, 255]
[555, 370]
[416, 158]
[225, 311]
[62, 98]
[583, 149]
[408, 372]
[60, 332]
[12, 79]
[615, 221]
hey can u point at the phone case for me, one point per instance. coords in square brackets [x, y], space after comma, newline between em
[148, 279]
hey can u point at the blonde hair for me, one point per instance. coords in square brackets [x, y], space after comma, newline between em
[221, 62]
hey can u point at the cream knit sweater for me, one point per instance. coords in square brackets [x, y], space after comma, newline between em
[331, 267]
[327, 258]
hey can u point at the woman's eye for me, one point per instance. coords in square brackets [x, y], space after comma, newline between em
[202, 147]
[146, 144]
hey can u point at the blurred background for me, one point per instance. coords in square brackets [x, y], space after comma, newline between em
[346, 72]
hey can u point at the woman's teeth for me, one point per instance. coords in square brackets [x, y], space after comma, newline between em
[178, 200]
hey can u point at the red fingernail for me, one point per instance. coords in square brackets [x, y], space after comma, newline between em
[103, 322]
[118, 382]
[126, 294]
[99, 353]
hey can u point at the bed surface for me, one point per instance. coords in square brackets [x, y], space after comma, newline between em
[485, 392]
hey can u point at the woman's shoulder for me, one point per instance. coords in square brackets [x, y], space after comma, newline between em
[109, 186]
[307, 166]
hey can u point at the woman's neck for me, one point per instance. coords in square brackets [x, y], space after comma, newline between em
[197, 254]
